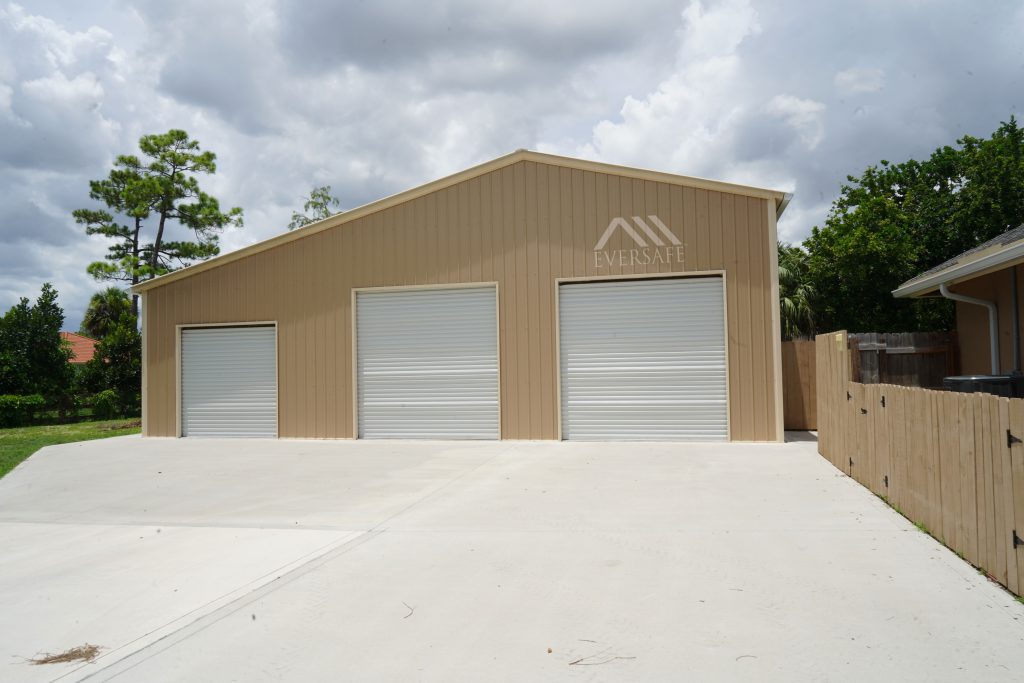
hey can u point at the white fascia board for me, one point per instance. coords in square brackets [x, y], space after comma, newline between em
[960, 271]
[783, 203]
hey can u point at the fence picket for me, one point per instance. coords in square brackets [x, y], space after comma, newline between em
[949, 470]
[858, 433]
[823, 396]
[1013, 481]
[983, 456]
[871, 418]
[917, 487]
[1017, 473]
[968, 520]
[898, 448]
[1000, 423]
[930, 465]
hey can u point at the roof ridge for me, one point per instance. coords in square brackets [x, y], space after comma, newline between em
[444, 182]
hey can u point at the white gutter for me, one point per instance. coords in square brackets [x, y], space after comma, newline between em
[960, 271]
[993, 321]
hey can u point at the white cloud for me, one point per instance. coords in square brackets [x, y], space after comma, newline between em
[57, 89]
[686, 122]
[372, 98]
[716, 30]
[61, 48]
[803, 115]
[855, 81]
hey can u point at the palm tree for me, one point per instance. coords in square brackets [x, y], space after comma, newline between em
[796, 293]
[105, 311]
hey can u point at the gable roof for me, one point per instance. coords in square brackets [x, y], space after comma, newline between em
[82, 348]
[781, 199]
[999, 252]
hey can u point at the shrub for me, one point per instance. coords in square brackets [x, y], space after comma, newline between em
[129, 403]
[17, 410]
[104, 405]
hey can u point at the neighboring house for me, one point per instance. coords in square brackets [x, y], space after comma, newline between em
[82, 348]
[985, 284]
[531, 297]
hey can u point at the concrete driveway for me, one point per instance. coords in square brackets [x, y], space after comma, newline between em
[512, 561]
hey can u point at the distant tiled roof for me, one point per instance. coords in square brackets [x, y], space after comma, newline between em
[1008, 237]
[82, 348]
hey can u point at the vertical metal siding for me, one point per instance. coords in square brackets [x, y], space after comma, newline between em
[525, 243]
[228, 382]
[428, 363]
[643, 360]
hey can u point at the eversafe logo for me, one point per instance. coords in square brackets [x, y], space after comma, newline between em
[651, 247]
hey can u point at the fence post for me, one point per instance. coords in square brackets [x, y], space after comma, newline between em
[883, 364]
[855, 360]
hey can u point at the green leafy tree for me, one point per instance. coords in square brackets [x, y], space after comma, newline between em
[895, 221]
[33, 357]
[318, 206]
[105, 310]
[144, 198]
[796, 293]
[15, 340]
[116, 366]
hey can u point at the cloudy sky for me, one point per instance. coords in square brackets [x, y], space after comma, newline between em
[373, 97]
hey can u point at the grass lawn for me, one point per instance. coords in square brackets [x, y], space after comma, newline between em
[18, 443]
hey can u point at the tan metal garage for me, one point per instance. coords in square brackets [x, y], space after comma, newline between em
[530, 297]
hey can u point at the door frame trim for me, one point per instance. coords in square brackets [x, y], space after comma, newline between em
[639, 276]
[407, 288]
[177, 367]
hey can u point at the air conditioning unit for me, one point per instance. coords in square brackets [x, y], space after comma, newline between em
[1010, 386]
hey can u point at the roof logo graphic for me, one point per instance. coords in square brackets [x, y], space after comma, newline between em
[645, 228]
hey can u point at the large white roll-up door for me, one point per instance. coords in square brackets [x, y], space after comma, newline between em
[229, 381]
[428, 363]
[643, 360]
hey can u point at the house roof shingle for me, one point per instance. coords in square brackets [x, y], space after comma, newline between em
[82, 348]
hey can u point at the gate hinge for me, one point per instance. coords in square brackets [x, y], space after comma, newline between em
[1011, 439]
[885, 479]
[863, 411]
[848, 396]
[883, 401]
[851, 462]
[1016, 540]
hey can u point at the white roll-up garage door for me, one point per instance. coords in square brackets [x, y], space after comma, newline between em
[643, 360]
[428, 363]
[229, 381]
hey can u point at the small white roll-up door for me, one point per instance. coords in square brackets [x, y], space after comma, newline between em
[643, 360]
[229, 382]
[428, 363]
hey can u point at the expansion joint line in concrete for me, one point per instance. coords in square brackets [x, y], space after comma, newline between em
[152, 643]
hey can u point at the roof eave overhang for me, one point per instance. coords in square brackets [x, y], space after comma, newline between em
[958, 272]
[787, 197]
[780, 198]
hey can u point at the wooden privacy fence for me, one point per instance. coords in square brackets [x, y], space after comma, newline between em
[952, 462]
[909, 359]
[799, 405]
